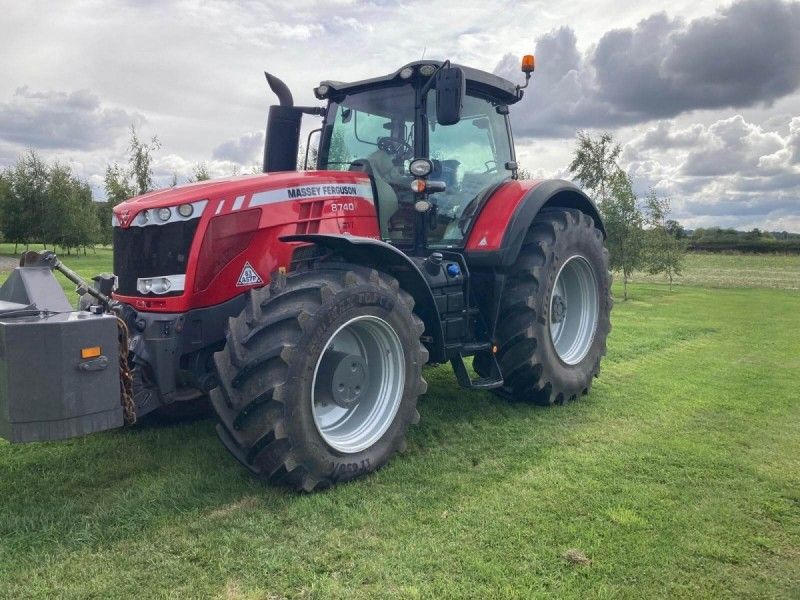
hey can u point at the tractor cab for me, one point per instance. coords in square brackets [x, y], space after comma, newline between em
[434, 139]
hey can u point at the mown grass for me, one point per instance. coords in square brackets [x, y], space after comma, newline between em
[678, 476]
[781, 271]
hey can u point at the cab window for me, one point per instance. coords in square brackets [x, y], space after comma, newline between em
[469, 157]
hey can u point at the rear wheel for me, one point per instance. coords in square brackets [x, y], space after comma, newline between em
[555, 312]
[320, 376]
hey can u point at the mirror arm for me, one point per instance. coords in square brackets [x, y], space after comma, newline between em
[429, 84]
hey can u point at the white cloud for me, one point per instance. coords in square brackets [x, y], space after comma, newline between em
[62, 120]
[732, 171]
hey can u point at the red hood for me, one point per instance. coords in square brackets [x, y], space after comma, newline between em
[230, 186]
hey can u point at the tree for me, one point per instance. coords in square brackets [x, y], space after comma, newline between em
[25, 201]
[675, 229]
[5, 198]
[523, 174]
[623, 221]
[123, 182]
[199, 173]
[57, 218]
[118, 189]
[140, 162]
[70, 219]
[665, 252]
[594, 163]
[307, 161]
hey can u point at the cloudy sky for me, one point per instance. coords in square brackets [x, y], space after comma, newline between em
[704, 96]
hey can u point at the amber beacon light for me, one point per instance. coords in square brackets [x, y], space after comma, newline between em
[528, 63]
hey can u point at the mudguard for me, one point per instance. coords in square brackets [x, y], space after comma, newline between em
[385, 257]
[499, 230]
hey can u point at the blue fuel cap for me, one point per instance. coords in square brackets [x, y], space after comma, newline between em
[453, 270]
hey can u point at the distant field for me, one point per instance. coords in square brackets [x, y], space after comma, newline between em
[677, 477]
[781, 271]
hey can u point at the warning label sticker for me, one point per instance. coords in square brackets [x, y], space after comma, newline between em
[248, 276]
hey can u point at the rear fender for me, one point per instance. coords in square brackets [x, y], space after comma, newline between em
[499, 231]
[384, 257]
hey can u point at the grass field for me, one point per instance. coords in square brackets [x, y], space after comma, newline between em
[679, 475]
[780, 271]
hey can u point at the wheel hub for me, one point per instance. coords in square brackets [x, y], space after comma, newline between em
[348, 376]
[358, 384]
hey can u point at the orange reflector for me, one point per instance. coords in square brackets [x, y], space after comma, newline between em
[92, 352]
[528, 63]
[418, 186]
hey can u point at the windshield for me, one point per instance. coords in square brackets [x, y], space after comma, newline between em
[361, 120]
[372, 131]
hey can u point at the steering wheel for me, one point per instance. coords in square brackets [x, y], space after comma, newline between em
[395, 147]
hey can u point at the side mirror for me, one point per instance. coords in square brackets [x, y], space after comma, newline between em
[450, 90]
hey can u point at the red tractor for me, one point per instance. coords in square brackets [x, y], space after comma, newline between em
[306, 303]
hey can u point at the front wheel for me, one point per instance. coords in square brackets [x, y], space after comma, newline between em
[555, 310]
[320, 376]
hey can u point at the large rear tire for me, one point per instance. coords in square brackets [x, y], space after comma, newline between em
[555, 311]
[319, 378]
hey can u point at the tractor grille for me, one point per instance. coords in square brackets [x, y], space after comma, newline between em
[151, 251]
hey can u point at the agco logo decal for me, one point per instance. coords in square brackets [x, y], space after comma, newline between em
[248, 276]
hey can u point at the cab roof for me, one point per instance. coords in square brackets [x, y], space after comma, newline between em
[487, 84]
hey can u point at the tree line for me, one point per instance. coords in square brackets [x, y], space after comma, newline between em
[46, 204]
[716, 239]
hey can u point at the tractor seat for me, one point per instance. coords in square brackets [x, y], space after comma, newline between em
[375, 166]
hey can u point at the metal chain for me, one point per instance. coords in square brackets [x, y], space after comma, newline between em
[125, 376]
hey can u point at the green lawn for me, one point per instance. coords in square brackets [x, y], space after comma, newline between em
[679, 475]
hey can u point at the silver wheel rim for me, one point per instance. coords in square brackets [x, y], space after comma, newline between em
[574, 305]
[358, 384]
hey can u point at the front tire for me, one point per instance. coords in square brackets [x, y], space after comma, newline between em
[320, 376]
[555, 310]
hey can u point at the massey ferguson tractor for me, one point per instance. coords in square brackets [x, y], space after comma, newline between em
[305, 304]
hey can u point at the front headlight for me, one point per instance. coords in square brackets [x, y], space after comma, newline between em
[164, 214]
[144, 286]
[185, 210]
[420, 167]
[161, 285]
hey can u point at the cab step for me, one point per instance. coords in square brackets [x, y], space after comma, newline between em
[494, 381]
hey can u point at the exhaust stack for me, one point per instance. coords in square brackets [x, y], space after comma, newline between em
[283, 129]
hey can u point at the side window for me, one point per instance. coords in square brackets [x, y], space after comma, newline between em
[469, 157]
